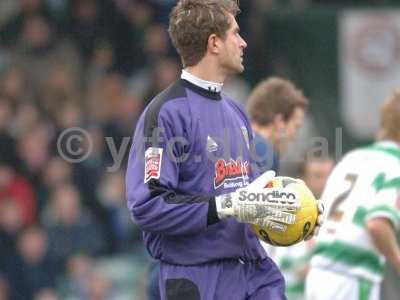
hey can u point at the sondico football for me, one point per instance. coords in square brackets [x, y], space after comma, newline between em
[305, 217]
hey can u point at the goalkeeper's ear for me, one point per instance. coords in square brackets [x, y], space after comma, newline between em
[261, 181]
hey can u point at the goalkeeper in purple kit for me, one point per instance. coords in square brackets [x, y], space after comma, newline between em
[189, 160]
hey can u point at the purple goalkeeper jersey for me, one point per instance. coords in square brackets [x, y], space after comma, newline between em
[190, 144]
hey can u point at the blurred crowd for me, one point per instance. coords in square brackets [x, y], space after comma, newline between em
[88, 64]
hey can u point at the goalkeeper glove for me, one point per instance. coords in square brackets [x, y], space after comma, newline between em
[255, 204]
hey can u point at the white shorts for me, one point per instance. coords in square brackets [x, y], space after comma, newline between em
[327, 285]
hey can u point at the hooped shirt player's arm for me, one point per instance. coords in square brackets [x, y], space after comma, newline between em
[162, 139]
[386, 204]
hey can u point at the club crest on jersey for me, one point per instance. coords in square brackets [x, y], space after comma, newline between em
[232, 174]
[212, 145]
[152, 169]
[245, 136]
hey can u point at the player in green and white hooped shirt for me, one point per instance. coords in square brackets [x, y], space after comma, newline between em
[362, 199]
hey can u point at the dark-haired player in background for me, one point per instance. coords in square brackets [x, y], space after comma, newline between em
[276, 110]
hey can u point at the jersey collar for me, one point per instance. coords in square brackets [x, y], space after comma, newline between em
[210, 86]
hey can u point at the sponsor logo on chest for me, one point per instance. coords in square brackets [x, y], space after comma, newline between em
[231, 174]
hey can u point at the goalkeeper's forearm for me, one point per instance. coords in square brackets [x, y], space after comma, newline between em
[384, 238]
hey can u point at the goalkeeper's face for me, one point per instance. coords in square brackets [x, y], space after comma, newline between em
[232, 50]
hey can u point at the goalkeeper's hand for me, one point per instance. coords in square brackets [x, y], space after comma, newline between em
[267, 211]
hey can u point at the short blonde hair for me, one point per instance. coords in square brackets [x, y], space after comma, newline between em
[389, 121]
[193, 21]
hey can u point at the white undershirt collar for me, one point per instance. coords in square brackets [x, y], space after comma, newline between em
[207, 85]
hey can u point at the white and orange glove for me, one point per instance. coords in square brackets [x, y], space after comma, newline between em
[255, 204]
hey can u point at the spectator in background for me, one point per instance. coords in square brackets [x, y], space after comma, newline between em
[46, 294]
[17, 205]
[87, 25]
[156, 43]
[85, 280]
[17, 189]
[70, 228]
[102, 60]
[129, 35]
[163, 73]
[14, 86]
[99, 287]
[7, 141]
[106, 94]
[121, 125]
[4, 288]
[31, 270]
[157, 58]
[111, 193]
[11, 224]
[86, 177]
[162, 9]
[8, 9]
[69, 114]
[56, 172]
[12, 29]
[60, 87]
[34, 151]
[79, 268]
[40, 49]
[315, 172]
[26, 117]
